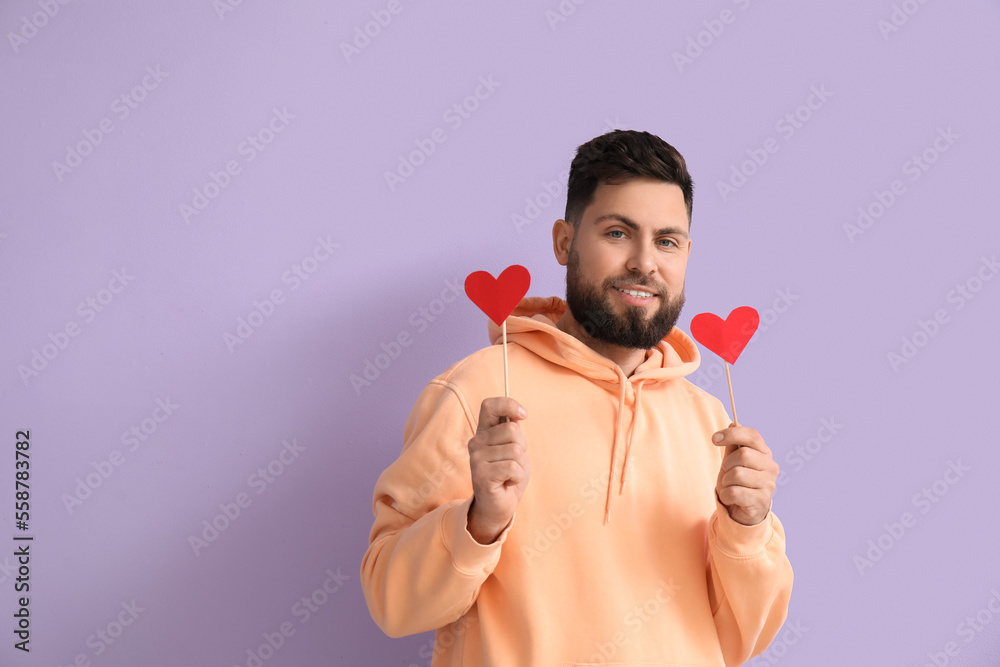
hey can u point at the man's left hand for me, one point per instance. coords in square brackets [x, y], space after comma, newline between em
[748, 475]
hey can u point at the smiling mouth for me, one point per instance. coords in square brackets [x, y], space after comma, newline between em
[640, 294]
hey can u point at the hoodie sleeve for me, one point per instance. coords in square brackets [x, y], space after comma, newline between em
[423, 569]
[749, 583]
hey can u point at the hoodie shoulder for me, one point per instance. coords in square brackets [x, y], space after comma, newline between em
[480, 371]
[709, 403]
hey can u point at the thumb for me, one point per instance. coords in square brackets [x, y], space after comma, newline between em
[732, 448]
[499, 409]
[720, 440]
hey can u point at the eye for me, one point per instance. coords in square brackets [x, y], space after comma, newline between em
[616, 231]
[671, 242]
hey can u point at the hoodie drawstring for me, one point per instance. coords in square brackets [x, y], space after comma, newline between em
[614, 454]
[628, 445]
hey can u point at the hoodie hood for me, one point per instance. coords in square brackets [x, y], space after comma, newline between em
[532, 325]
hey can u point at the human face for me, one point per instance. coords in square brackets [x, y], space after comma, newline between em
[632, 238]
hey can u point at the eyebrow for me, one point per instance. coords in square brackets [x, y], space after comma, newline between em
[631, 224]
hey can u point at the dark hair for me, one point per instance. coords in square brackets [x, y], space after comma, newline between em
[618, 156]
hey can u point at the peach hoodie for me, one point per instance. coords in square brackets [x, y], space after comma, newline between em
[666, 578]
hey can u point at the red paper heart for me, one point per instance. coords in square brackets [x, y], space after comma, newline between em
[726, 338]
[497, 297]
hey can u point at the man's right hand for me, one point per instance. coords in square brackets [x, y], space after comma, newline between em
[498, 456]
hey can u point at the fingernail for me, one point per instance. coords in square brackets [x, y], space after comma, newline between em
[522, 413]
[717, 437]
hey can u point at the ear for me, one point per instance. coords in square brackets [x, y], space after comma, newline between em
[562, 239]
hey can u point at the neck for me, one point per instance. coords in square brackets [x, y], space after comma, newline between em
[628, 359]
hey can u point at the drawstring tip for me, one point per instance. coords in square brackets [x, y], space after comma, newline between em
[607, 516]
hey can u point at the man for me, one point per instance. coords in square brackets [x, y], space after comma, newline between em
[495, 525]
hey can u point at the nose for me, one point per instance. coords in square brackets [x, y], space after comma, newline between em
[641, 260]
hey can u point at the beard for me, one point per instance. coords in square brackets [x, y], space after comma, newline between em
[591, 307]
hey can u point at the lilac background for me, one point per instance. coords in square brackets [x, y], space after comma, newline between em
[560, 83]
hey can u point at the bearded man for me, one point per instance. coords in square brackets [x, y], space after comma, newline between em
[495, 525]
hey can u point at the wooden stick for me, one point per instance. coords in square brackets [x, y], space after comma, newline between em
[731, 401]
[506, 382]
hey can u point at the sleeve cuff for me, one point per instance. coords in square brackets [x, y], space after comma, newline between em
[469, 556]
[735, 539]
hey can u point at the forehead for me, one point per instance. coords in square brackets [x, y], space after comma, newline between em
[646, 201]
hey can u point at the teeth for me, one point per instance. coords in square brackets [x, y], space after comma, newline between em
[641, 295]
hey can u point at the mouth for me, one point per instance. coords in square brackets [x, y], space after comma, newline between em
[636, 296]
[638, 293]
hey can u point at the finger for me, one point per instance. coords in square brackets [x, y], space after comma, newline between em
[740, 496]
[746, 457]
[502, 434]
[746, 478]
[719, 438]
[740, 436]
[493, 409]
[510, 451]
[505, 472]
